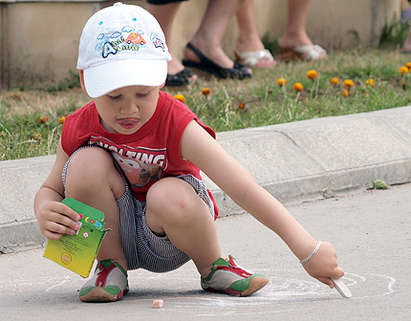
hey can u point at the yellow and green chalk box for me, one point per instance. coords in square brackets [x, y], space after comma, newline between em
[78, 252]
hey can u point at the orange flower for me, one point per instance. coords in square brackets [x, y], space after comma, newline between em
[370, 82]
[62, 119]
[334, 81]
[408, 65]
[36, 136]
[298, 87]
[312, 74]
[344, 92]
[43, 119]
[180, 97]
[403, 70]
[205, 91]
[241, 106]
[348, 83]
[282, 82]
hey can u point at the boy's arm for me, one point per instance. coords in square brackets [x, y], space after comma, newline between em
[55, 218]
[201, 149]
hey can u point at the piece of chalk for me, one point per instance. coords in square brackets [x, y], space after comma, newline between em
[158, 303]
[342, 288]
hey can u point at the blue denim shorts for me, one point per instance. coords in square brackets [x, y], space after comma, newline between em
[143, 248]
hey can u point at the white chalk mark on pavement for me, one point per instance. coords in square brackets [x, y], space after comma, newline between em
[65, 280]
[294, 290]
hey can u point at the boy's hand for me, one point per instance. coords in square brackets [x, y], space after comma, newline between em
[56, 219]
[323, 265]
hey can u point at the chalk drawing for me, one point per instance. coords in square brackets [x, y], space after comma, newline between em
[65, 280]
[294, 290]
[25, 284]
[278, 290]
[376, 279]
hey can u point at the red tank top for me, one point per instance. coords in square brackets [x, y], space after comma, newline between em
[147, 155]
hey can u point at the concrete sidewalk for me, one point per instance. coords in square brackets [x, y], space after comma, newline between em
[370, 231]
[303, 159]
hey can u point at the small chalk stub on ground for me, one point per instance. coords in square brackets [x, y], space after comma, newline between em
[342, 288]
[158, 303]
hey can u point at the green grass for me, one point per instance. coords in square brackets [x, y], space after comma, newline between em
[22, 135]
[265, 102]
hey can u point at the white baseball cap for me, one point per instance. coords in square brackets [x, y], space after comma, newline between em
[122, 45]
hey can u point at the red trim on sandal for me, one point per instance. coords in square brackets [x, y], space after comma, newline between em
[103, 274]
[235, 269]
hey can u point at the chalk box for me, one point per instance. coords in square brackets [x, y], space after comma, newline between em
[78, 252]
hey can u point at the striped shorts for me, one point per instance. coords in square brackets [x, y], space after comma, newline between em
[142, 248]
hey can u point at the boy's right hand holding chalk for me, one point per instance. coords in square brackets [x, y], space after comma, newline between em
[322, 263]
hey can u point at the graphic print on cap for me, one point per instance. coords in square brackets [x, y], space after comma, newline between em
[126, 39]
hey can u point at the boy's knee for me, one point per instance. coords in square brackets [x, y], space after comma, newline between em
[173, 200]
[93, 167]
[89, 162]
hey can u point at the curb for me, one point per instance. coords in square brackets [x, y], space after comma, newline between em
[299, 160]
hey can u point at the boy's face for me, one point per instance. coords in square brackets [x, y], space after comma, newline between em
[126, 109]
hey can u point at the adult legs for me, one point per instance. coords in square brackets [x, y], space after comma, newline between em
[211, 31]
[295, 35]
[165, 14]
[174, 209]
[248, 40]
[98, 185]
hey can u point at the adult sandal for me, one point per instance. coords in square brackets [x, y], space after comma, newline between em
[239, 71]
[305, 53]
[182, 78]
[253, 58]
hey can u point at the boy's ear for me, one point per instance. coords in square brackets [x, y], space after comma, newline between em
[83, 87]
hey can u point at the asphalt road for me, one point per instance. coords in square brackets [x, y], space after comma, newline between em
[371, 231]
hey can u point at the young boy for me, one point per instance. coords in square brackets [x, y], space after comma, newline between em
[135, 153]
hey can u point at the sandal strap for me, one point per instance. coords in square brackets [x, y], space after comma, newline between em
[252, 57]
[208, 62]
[238, 71]
[310, 52]
[179, 79]
[199, 54]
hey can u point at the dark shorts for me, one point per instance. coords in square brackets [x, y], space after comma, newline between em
[143, 248]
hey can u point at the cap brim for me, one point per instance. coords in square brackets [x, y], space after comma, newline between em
[104, 78]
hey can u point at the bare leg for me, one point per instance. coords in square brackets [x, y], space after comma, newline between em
[211, 31]
[295, 33]
[248, 39]
[173, 208]
[98, 185]
[165, 15]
